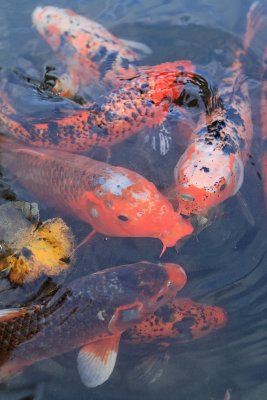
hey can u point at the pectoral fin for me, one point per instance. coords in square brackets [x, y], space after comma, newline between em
[139, 47]
[149, 369]
[96, 361]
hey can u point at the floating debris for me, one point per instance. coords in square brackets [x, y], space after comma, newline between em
[29, 248]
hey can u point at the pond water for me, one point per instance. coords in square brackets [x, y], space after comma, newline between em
[226, 263]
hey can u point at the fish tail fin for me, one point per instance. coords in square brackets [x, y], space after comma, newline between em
[256, 20]
[149, 369]
[141, 48]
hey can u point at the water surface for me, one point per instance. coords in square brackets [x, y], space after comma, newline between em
[226, 263]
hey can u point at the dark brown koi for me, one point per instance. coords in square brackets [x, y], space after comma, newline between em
[90, 313]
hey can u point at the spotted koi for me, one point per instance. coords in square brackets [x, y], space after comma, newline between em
[179, 321]
[212, 168]
[257, 22]
[88, 50]
[143, 101]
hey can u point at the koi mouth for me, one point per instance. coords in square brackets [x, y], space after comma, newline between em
[181, 229]
[176, 274]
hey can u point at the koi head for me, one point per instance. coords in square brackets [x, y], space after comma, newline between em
[51, 22]
[180, 319]
[144, 287]
[206, 177]
[123, 203]
[164, 83]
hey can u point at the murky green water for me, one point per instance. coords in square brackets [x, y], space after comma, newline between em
[226, 264]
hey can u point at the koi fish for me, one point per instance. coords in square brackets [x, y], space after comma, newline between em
[264, 133]
[89, 313]
[212, 167]
[89, 51]
[179, 321]
[113, 200]
[142, 102]
[256, 21]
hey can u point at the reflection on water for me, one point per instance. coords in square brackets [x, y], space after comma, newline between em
[225, 263]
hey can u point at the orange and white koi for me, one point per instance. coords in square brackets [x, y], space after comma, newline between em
[113, 200]
[257, 21]
[90, 52]
[89, 313]
[212, 168]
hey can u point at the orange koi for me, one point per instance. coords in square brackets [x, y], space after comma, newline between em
[113, 200]
[89, 313]
[212, 168]
[180, 320]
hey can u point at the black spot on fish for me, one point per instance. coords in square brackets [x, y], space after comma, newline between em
[223, 187]
[99, 130]
[107, 64]
[125, 63]
[184, 327]
[100, 54]
[216, 127]
[205, 169]
[229, 146]
[164, 313]
[234, 116]
[259, 175]
[110, 116]
[52, 133]
[144, 88]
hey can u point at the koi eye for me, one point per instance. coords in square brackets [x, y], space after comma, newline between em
[123, 218]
